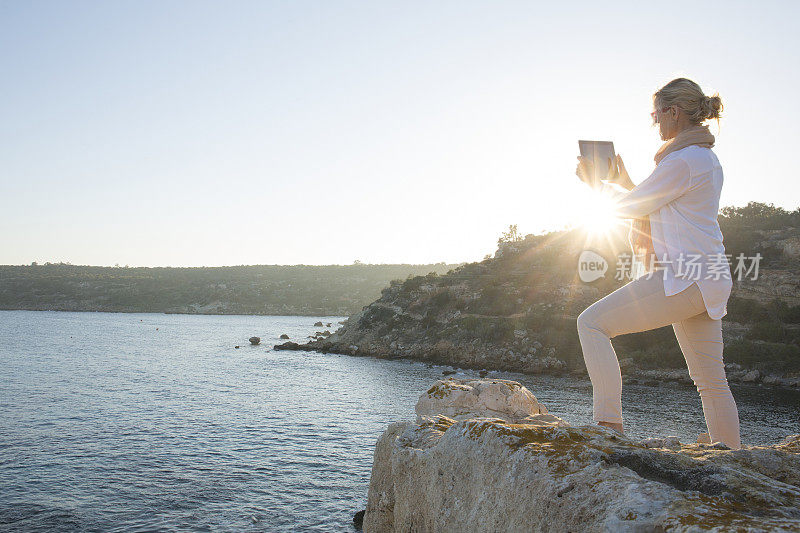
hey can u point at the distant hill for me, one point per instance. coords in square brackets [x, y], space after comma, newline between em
[517, 310]
[260, 290]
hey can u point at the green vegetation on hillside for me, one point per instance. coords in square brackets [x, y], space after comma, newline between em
[265, 289]
[528, 297]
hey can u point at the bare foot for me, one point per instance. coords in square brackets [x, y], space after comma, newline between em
[704, 438]
[613, 425]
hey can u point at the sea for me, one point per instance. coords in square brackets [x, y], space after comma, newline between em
[158, 422]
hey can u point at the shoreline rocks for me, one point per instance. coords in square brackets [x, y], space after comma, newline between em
[288, 346]
[428, 353]
[499, 462]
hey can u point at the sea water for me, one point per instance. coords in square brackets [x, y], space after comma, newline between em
[125, 422]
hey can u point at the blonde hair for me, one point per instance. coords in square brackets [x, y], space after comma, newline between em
[688, 96]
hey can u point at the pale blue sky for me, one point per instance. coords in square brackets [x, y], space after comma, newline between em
[222, 133]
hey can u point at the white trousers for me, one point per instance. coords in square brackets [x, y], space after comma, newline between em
[641, 305]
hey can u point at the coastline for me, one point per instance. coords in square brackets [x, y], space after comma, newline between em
[551, 366]
[432, 353]
[170, 313]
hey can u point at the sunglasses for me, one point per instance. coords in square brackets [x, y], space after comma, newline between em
[654, 114]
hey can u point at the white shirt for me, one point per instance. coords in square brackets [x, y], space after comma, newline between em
[681, 197]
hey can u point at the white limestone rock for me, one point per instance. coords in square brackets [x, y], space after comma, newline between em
[494, 473]
[662, 442]
[461, 399]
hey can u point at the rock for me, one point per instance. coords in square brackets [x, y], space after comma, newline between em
[771, 284]
[467, 398]
[791, 247]
[751, 376]
[358, 519]
[255, 340]
[284, 336]
[287, 346]
[448, 372]
[318, 324]
[734, 330]
[678, 374]
[769, 379]
[662, 442]
[328, 325]
[495, 473]
[237, 346]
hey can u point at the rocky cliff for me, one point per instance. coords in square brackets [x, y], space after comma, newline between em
[484, 455]
[517, 310]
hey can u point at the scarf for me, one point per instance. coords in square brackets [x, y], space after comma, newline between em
[639, 236]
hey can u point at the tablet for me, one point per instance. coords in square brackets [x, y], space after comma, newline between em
[598, 152]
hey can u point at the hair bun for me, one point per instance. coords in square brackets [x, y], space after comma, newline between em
[687, 95]
[712, 106]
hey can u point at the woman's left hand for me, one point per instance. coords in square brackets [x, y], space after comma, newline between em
[585, 171]
[618, 174]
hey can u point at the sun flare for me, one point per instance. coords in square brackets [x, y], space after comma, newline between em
[597, 214]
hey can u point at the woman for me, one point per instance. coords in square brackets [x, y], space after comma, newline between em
[674, 213]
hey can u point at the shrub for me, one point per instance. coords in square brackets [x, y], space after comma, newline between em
[413, 283]
[765, 356]
[767, 331]
[785, 312]
[375, 315]
[441, 299]
[429, 320]
[746, 310]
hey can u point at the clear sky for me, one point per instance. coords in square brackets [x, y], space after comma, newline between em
[222, 133]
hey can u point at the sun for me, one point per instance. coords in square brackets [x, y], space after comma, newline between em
[597, 215]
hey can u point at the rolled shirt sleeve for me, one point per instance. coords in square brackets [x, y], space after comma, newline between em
[668, 181]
